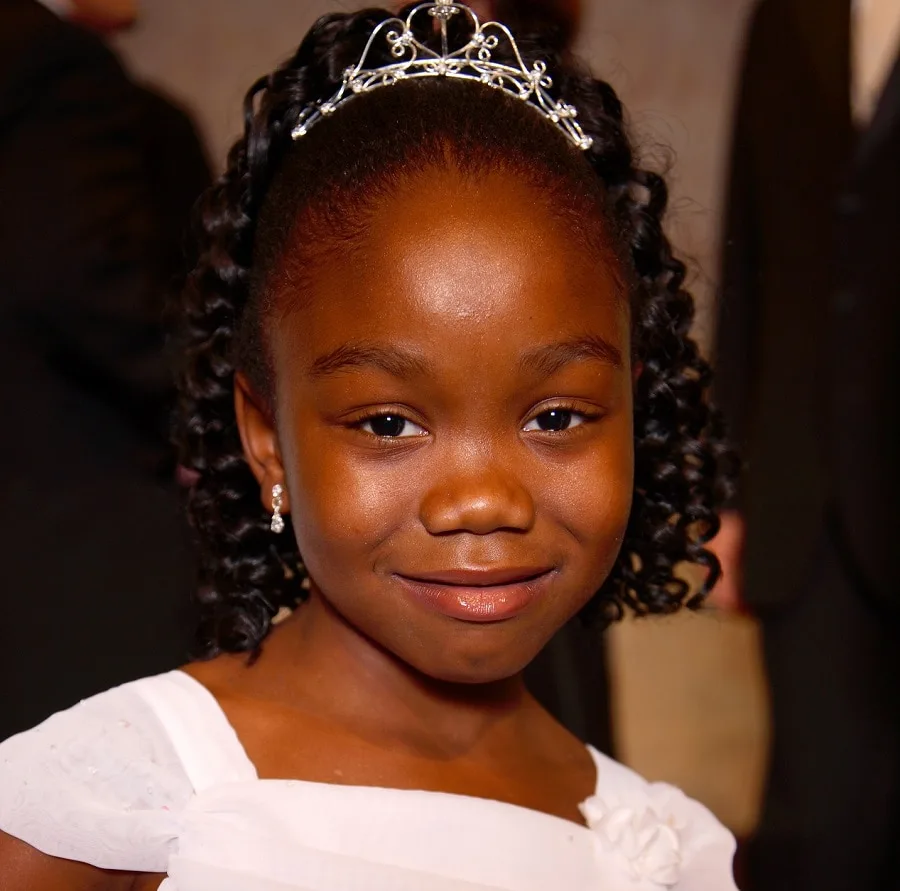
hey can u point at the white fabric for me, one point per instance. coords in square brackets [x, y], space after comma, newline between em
[151, 777]
[99, 782]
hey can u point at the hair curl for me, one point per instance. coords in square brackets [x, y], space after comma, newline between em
[683, 467]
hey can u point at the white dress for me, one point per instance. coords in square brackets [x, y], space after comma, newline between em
[150, 777]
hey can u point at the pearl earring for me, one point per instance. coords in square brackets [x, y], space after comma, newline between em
[277, 524]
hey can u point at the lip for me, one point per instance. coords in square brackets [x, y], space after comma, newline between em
[479, 595]
[479, 577]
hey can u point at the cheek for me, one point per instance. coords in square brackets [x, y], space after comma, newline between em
[593, 498]
[343, 504]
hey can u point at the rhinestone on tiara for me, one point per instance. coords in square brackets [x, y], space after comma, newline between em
[471, 61]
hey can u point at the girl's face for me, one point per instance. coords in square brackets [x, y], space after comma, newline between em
[454, 426]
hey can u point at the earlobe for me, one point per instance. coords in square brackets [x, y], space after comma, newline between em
[259, 440]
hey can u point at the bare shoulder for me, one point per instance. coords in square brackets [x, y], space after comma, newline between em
[23, 868]
[221, 675]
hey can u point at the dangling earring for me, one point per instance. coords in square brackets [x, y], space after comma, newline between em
[277, 524]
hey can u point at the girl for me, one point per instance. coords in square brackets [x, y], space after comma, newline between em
[440, 397]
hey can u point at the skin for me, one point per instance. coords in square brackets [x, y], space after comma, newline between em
[105, 16]
[728, 546]
[364, 684]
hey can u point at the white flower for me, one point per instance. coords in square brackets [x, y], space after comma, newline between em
[648, 840]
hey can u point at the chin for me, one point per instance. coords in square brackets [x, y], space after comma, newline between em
[474, 665]
[475, 677]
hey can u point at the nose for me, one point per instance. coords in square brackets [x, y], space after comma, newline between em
[478, 501]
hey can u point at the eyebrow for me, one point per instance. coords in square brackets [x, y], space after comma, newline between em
[396, 361]
[402, 363]
[547, 360]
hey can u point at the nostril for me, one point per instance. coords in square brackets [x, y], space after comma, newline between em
[478, 506]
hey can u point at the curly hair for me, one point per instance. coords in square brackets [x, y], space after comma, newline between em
[683, 466]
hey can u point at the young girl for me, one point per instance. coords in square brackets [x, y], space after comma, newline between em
[440, 397]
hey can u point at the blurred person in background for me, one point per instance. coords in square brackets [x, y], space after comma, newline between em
[97, 177]
[808, 347]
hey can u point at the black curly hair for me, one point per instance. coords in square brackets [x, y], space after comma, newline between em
[321, 186]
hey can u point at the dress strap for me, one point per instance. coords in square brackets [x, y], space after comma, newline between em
[198, 730]
[600, 760]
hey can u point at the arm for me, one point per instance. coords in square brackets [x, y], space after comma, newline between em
[22, 868]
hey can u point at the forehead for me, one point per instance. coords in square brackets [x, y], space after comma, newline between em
[457, 261]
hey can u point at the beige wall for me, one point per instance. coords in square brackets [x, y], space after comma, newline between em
[688, 690]
[674, 63]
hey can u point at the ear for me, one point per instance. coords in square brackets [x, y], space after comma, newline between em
[259, 439]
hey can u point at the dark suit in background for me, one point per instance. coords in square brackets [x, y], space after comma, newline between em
[808, 359]
[96, 180]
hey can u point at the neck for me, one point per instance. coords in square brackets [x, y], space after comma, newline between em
[317, 662]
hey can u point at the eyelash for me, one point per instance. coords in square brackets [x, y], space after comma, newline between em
[400, 416]
[586, 417]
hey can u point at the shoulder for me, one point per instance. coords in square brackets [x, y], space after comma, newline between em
[38, 45]
[661, 833]
[100, 783]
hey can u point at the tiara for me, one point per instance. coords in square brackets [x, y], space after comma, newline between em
[472, 61]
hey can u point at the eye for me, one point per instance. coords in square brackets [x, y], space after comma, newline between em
[390, 426]
[555, 420]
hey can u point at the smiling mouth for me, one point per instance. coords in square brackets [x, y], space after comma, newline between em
[478, 595]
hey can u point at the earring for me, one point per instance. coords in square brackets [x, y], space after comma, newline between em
[277, 524]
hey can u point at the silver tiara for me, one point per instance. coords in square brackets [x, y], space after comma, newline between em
[469, 62]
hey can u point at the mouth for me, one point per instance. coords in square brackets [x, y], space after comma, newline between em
[480, 595]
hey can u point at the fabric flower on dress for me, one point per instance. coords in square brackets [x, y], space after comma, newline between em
[646, 833]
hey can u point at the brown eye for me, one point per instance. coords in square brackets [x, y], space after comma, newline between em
[555, 420]
[391, 426]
